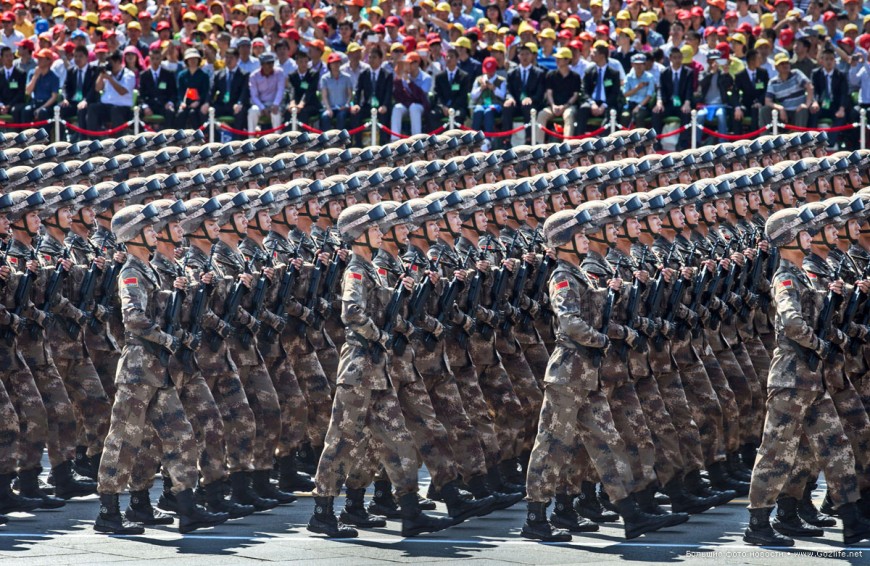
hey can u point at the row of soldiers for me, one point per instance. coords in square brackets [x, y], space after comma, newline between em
[270, 314]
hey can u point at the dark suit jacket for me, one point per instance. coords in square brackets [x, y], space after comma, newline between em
[746, 89]
[839, 94]
[684, 90]
[10, 96]
[89, 93]
[726, 87]
[611, 93]
[311, 77]
[238, 92]
[446, 96]
[383, 90]
[151, 93]
[534, 86]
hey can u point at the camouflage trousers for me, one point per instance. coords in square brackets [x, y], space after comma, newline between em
[674, 397]
[738, 383]
[668, 459]
[478, 412]
[756, 414]
[208, 429]
[536, 354]
[527, 391]
[791, 413]
[328, 358]
[355, 411]
[760, 361]
[88, 398]
[315, 387]
[571, 418]
[294, 409]
[59, 411]
[238, 419]
[727, 400]
[509, 420]
[631, 424]
[31, 416]
[106, 365]
[9, 428]
[862, 386]
[135, 407]
[267, 413]
[706, 411]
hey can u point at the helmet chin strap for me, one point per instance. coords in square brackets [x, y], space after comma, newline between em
[142, 244]
[54, 221]
[204, 235]
[284, 221]
[235, 229]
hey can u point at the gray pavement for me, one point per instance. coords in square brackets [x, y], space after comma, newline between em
[65, 536]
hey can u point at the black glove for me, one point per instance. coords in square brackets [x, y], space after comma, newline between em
[173, 345]
[191, 341]
[278, 323]
[102, 313]
[664, 327]
[645, 325]
[633, 339]
[824, 349]
[225, 330]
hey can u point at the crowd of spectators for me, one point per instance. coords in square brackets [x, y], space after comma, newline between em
[489, 63]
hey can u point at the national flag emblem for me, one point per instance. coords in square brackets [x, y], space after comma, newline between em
[561, 285]
[46, 257]
[191, 94]
[13, 260]
[786, 283]
[415, 267]
[131, 281]
[382, 271]
[812, 275]
[357, 276]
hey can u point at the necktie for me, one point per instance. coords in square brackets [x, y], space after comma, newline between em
[676, 80]
[81, 80]
[450, 77]
[599, 91]
[828, 83]
[752, 77]
[156, 76]
[525, 76]
[374, 78]
[229, 80]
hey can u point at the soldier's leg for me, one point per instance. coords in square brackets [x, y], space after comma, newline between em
[856, 426]
[317, 391]
[503, 401]
[477, 410]
[106, 365]
[631, 424]
[862, 385]
[328, 358]
[668, 459]
[727, 401]
[208, 427]
[831, 446]
[755, 390]
[674, 397]
[267, 414]
[742, 392]
[344, 439]
[529, 393]
[538, 357]
[429, 435]
[760, 361]
[61, 420]
[238, 419]
[147, 460]
[86, 392]
[706, 411]
[32, 417]
[551, 453]
[294, 409]
[806, 468]
[9, 431]
[166, 414]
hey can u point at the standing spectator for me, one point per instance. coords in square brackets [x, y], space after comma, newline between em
[802, 60]
[452, 88]
[562, 89]
[267, 92]
[675, 96]
[525, 90]
[9, 36]
[751, 83]
[116, 83]
[639, 91]
[487, 96]
[411, 88]
[158, 89]
[832, 94]
[25, 60]
[285, 58]
[303, 90]
[336, 95]
[13, 82]
[717, 87]
[354, 66]
[789, 93]
[80, 88]
[373, 90]
[466, 62]
[600, 91]
[229, 94]
[192, 91]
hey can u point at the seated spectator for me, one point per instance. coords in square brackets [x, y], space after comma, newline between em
[336, 95]
[487, 96]
[452, 88]
[675, 96]
[639, 91]
[562, 89]
[13, 82]
[601, 89]
[303, 90]
[229, 94]
[115, 105]
[247, 63]
[411, 88]
[751, 84]
[374, 90]
[525, 89]
[717, 87]
[158, 90]
[354, 66]
[192, 91]
[80, 89]
[831, 88]
[267, 92]
[789, 94]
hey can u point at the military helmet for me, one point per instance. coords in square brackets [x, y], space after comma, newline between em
[850, 208]
[824, 213]
[449, 200]
[111, 192]
[784, 225]
[559, 228]
[396, 213]
[55, 199]
[356, 219]
[169, 210]
[129, 222]
[626, 206]
[18, 203]
[198, 210]
[232, 203]
[426, 210]
[264, 200]
[478, 198]
[600, 213]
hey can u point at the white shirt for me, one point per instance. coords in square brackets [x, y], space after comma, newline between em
[10, 40]
[111, 96]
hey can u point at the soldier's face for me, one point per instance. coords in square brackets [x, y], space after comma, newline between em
[551, 166]
[350, 200]
[839, 185]
[722, 208]
[720, 168]
[557, 202]
[800, 188]
[211, 229]
[581, 243]
[831, 233]
[853, 229]
[709, 210]
[376, 237]
[626, 188]
[4, 224]
[176, 232]
[754, 200]
[600, 158]
[685, 177]
[433, 230]
[449, 185]
[654, 223]
[690, 211]
[401, 232]
[740, 205]
[611, 191]
[804, 240]
[150, 236]
[855, 178]
[500, 215]
[632, 228]
[374, 197]
[397, 194]
[87, 215]
[642, 185]
[33, 222]
[540, 207]
[454, 221]
[521, 211]
[64, 217]
[431, 186]
[480, 220]
[677, 219]
[240, 219]
[412, 191]
[768, 196]
[610, 233]
[314, 208]
[787, 196]
[335, 208]
[592, 193]
[822, 184]
[264, 220]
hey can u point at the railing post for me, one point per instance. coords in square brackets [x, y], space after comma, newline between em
[694, 129]
[211, 113]
[57, 122]
[612, 121]
[451, 119]
[136, 111]
[863, 125]
[374, 126]
[294, 119]
[534, 118]
[775, 122]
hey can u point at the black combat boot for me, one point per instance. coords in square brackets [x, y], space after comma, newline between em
[721, 481]
[646, 501]
[537, 526]
[759, 531]
[461, 506]
[425, 503]
[415, 522]
[264, 488]
[167, 501]
[510, 472]
[748, 452]
[354, 512]
[808, 512]
[3, 519]
[324, 522]
[735, 468]
[565, 517]
[11, 502]
[216, 502]
[789, 523]
[383, 503]
[684, 502]
[66, 486]
[434, 494]
[110, 519]
[306, 459]
[587, 505]
[828, 505]
[698, 486]
[84, 466]
[499, 483]
[28, 486]
[192, 517]
[289, 478]
[480, 490]
[855, 527]
[864, 503]
[636, 521]
[140, 510]
[243, 494]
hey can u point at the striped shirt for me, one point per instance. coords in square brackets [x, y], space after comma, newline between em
[791, 92]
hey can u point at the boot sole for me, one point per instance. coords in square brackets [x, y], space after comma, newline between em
[74, 494]
[789, 531]
[635, 532]
[856, 539]
[363, 524]
[122, 531]
[427, 529]
[691, 510]
[757, 541]
[132, 517]
[573, 527]
[533, 536]
[21, 508]
[592, 516]
[830, 523]
[320, 531]
[199, 525]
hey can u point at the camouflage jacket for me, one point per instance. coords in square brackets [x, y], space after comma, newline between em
[233, 263]
[625, 266]
[50, 253]
[211, 361]
[390, 269]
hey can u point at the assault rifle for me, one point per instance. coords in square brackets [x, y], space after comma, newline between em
[829, 307]
[197, 309]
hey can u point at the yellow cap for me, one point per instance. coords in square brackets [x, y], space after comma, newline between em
[482, 22]
[548, 33]
[134, 25]
[50, 2]
[687, 52]
[598, 3]
[376, 10]
[218, 20]
[77, 5]
[353, 47]
[780, 58]
[627, 31]
[794, 14]
[490, 28]
[564, 53]
[850, 27]
[442, 7]
[867, 18]
[460, 27]
[498, 46]
[91, 17]
[739, 38]
[503, 30]
[428, 3]
[601, 43]
[240, 8]
[533, 47]
[525, 27]
[762, 43]
[204, 27]
[57, 12]
[266, 14]
[190, 16]
[462, 42]
[571, 23]
[623, 15]
[70, 15]
[766, 21]
[130, 9]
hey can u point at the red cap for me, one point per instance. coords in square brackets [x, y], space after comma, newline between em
[490, 65]
[292, 33]
[722, 30]
[26, 44]
[756, 31]
[323, 26]
[162, 25]
[684, 14]
[110, 33]
[847, 41]
[789, 2]
[45, 53]
[8, 17]
[566, 34]
[586, 36]
[411, 57]
[709, 31]
[524, 7]
[407, 11]
[745, 28]
[827, 16]
[786, 36]
[317, 44]
[107, 16]
[19, 6]
[410, 43]
[378, 28]
[156, 46]
[603, 29]
[333, 58]
[430, 37]
[723, 48]
[730, 15]
[69, 47]
[576, 44]
[101, 47]
[864, 41]
[145, 15]
[697, 11]
[393, 22]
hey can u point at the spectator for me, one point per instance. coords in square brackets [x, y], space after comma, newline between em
[789, 93]
[452, 88]
[336, 95]
[229, 94]
[354, 66]
[374, 90]
[285, 57]
[13, 82]
[9, 36]
[192, 91]
[246, 62]
[487, 96]
[466, 62]
[751, 83]
[639, 91]
[802, 61]
[831, 101]
[525, 89]
[625, 48]
[675, 96]
[158, 90]
[717, 87]
[133, 61]
[25, 60]
[411, 88]
[80, 88]
[562, 89]
[267, 92]
[115, 105]
[601, 89]
[303, 90]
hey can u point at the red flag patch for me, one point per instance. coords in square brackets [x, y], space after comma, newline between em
[357, 276]
[382, 271]
[812, 275]
[131, 281]
[13, 260]
[46, 257]
[415, 267]
[561, 285]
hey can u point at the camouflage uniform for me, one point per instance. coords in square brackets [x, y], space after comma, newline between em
[530, 340]
[331, 336]
[104, 340]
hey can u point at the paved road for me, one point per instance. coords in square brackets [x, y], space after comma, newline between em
[54, 538]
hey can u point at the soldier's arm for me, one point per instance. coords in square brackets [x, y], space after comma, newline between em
[353, 306]
[566, 305]
[788, 308]
[134, 306]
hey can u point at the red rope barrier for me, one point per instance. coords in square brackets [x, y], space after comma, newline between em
[110, 132]
[834, 129]
[387, 130]
[232, 130]
[594, 133]
[716, 134]
[311, 129]
[25, 125]
[676, 132]
[504, 134]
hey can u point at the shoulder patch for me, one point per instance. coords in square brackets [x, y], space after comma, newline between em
[357, 276]
[561, 285]
[593, 275]
[46, 257]
[131, 281]
[13, 259]
[382, 271]
[783, 284]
